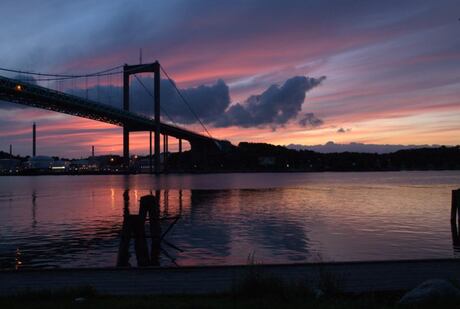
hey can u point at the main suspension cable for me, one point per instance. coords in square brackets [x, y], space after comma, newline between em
[100, 73]
[185, 101]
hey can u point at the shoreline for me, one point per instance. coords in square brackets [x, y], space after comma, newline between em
[224, 172]
[351, 277]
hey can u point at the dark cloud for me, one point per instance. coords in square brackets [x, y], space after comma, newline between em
[343, 130]
[275, 106]
[209, 101]
[310, 120]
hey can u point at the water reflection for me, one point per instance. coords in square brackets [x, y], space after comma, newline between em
[134, 227]
[282, 234]
[207, 230]
[83, 222]
[34, 209]
[207, 233]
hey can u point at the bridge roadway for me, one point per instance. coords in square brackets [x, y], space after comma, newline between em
[19, 92]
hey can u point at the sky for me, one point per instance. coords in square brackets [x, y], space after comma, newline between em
[280, 72]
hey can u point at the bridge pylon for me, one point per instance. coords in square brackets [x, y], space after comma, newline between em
[143, 68]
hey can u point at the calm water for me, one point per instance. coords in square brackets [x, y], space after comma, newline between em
[75, 221]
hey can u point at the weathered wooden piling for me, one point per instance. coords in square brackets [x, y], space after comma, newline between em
[149, 204]
[454, 216]
[134, 226]
[140, 241]
[123, 249]
[455, 205]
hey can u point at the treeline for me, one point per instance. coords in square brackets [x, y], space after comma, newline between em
[5, 155]
[266, 157]
[260, 157]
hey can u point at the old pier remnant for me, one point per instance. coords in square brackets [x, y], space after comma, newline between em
[454, 217]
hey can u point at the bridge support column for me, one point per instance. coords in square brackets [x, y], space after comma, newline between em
[126, 108]
[165, 153]
[150, 153]
[125, 147]
[179, 157]
[156, 89]
[34, 140]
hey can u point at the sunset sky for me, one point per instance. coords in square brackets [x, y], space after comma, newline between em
[281, 72]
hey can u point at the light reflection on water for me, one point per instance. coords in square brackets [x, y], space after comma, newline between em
[75, 221]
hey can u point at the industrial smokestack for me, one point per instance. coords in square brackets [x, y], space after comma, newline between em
[34, 140]
[11, 150]
[92, 151]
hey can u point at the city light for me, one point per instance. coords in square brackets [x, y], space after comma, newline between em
[18, 88]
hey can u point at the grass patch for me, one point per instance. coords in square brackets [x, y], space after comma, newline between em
[67, 293]
[256, 281]
[191, 302]
[65, 299]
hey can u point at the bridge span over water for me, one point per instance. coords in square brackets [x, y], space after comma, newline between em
[20, 92]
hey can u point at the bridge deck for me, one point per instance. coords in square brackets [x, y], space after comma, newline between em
[44, 98]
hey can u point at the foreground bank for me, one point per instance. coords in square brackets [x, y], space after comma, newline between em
[73, 299]
[346, 277]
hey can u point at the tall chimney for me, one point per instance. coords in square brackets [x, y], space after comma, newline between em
[92, 151]
[34, 140]
[11, 150]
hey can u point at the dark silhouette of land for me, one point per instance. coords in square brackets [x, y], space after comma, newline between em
[260, 157]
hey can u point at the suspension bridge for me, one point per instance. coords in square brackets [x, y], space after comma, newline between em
[25, 90]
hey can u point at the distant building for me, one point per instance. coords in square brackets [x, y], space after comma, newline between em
[106, 163]
[143, 164]
[9, 165]
[84, 165]
[42, 163]
[77, 165]
[60, 166]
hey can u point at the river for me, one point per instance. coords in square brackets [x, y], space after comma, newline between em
[75, 221]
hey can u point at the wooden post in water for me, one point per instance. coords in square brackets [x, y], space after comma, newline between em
[454, 210]
[134, 226]
[149, 204]
[140, 242]
[455, 205]
[155, 233]
[123, 250]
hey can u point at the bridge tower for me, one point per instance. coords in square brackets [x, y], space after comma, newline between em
[34, 140]
[143, 68]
